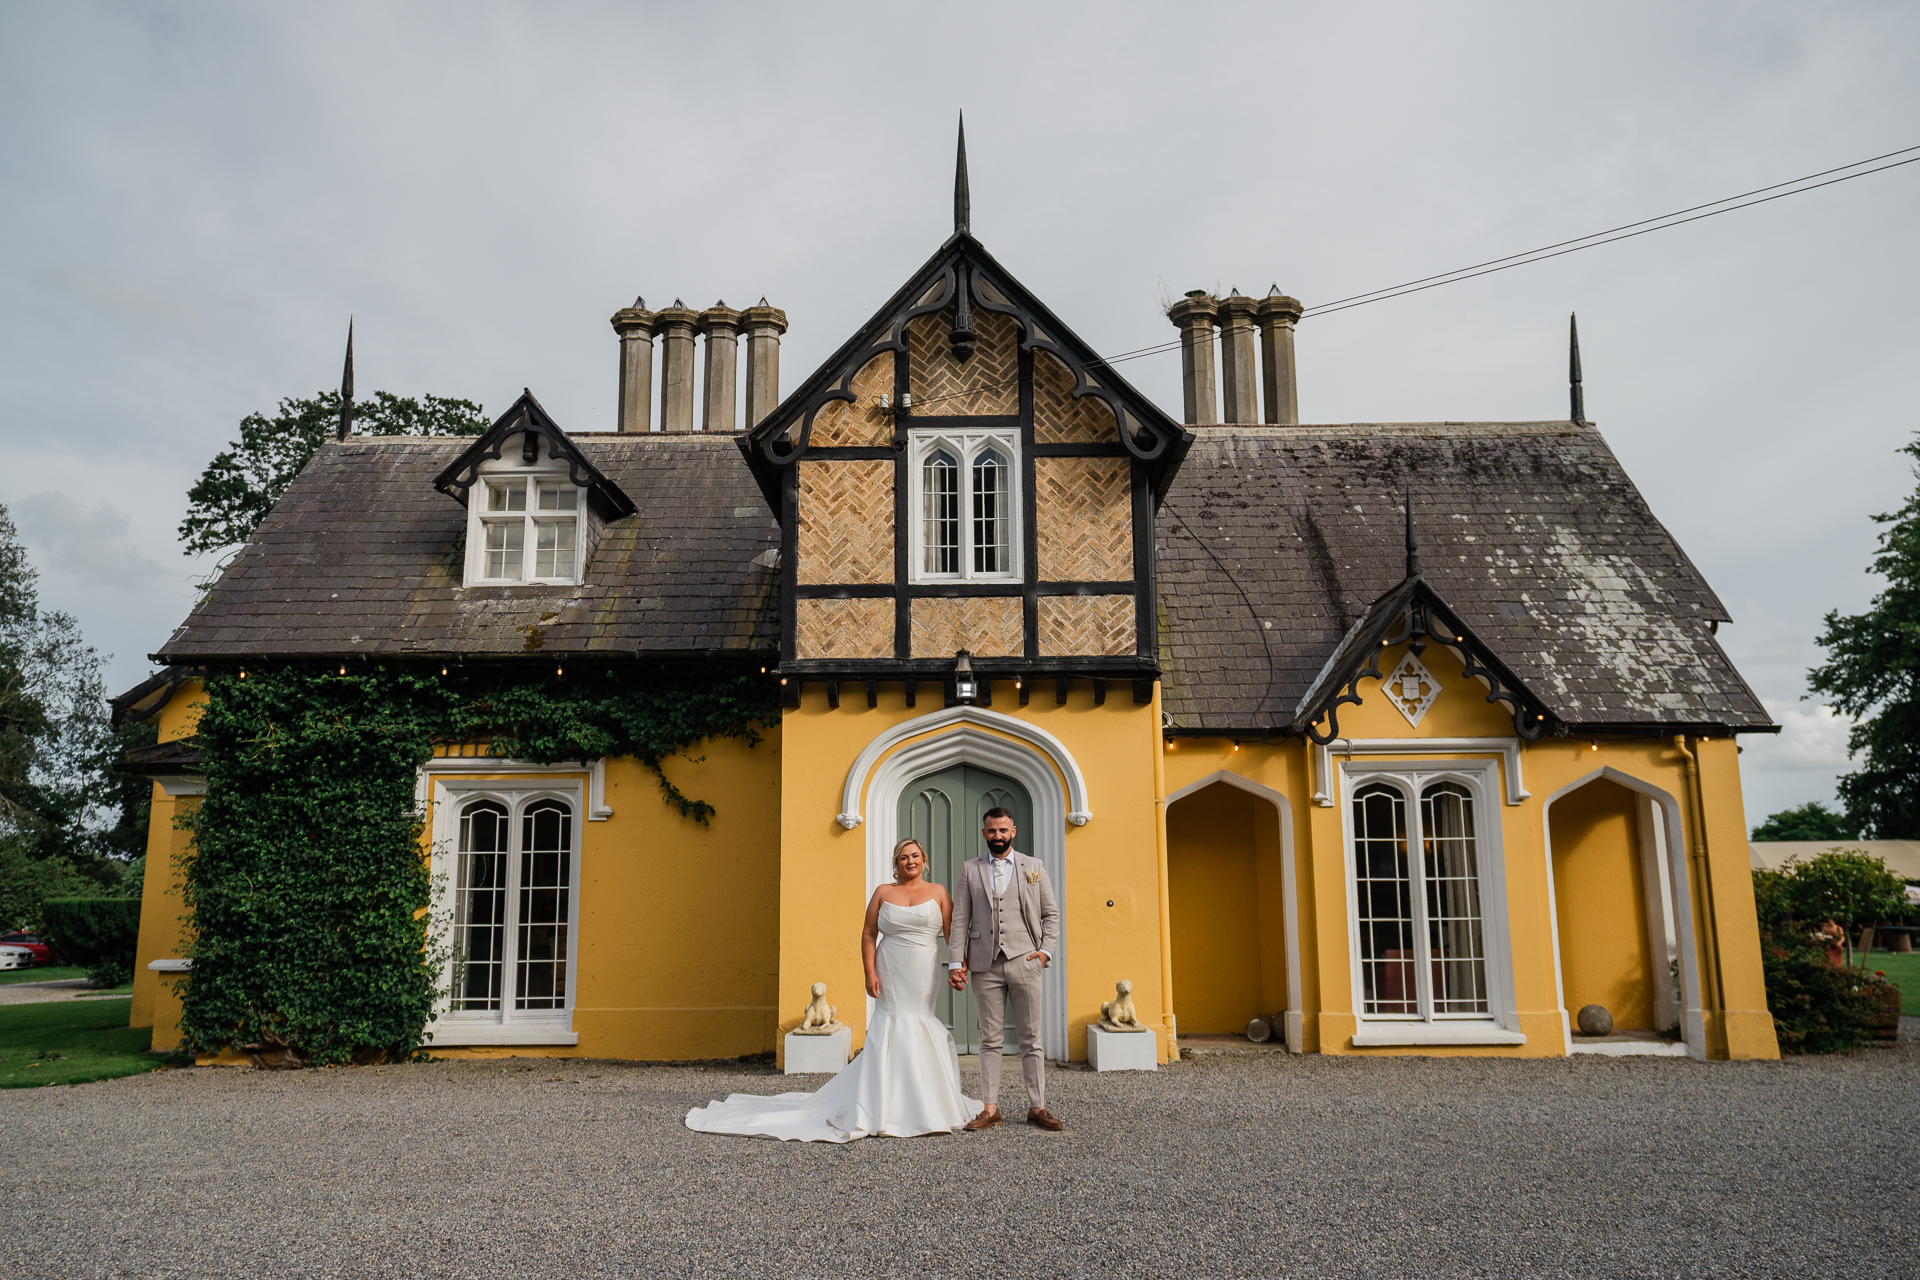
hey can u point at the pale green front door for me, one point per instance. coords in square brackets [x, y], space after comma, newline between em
[944, 811]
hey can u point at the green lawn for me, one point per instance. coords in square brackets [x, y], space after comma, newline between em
[71, 1042]
[1905, 972]
[46, 973]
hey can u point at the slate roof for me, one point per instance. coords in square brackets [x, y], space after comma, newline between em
[1530, 531]
[363, 556]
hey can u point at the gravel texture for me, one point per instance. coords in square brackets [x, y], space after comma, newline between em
[60, 989]
[1227, 1164]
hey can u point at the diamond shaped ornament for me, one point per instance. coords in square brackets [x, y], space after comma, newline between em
[1412, 689]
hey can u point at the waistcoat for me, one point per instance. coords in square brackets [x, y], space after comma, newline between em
[1012, 939]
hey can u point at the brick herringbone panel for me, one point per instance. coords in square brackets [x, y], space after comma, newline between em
[863, 421]
[846, 521]
[1086, 626]
[985, 626]
[989, 382]
[1060, 419]
[843, 629]
[1083, 508]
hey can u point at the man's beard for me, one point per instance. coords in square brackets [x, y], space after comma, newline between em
[999, 846]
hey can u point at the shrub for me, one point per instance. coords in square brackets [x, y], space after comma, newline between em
[96, 933]
[1817, 1007]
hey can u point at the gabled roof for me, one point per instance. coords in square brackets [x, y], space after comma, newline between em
[963, 269]
[1275, 541]
[361, 558]
[527, 419]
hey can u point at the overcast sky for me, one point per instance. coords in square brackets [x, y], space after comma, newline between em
[193, 199]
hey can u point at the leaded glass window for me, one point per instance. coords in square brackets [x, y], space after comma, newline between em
[966, 495]
[940, 508]
[513, 906]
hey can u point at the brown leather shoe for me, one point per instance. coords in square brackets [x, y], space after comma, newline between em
[1041, 1118]
[985, 1120]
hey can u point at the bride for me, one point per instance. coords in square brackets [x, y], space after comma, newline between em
[906, 1080]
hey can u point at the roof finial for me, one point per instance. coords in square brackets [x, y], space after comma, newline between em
[1579, 411]
[1413, 543]
[962, 198]
[346, 389]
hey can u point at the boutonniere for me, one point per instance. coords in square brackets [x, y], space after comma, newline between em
[1033, 875]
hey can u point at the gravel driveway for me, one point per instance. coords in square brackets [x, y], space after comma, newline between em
[1222, 1165]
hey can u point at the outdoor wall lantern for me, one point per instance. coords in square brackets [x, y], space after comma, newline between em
[965, 689]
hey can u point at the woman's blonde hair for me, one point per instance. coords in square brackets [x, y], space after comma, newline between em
[896, 857]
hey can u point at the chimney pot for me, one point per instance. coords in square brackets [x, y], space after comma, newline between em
[1195, 317]
[721, 324]
[764, 325]
[635, 325]
[1278, 314]
[1238, 377]
[677, 327]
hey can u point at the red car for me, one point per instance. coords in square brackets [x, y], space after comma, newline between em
[31, 941]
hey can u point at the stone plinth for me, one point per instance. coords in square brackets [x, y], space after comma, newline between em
[1122, 1050]
[818, 1055]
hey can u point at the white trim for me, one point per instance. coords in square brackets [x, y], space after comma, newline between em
[1502, 1023]
[1079, 813]
[1634, 1048]
[1693, 1022]
[596, 771]
[503, 1025]
[182, 784]
[1381, 1035]
[1506, 748]
[507, 468]
[964, 743]
[450, 1034]
[170, 966]
[965, 445]
[1289, 900]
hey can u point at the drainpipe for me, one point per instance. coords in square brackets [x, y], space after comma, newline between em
[1167, 1023]
[1698, 816]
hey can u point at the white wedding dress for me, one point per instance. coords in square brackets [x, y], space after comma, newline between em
[904, 1082]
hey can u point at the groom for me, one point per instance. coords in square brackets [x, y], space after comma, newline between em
[1006, 928]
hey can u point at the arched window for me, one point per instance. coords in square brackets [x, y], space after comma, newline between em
[966, 493]
[1420, 932]
[940, 513]
[513, 906]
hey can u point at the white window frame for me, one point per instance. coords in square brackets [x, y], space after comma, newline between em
[504, 1025]
[964, 445]
[508, 469]
[1500, 1025]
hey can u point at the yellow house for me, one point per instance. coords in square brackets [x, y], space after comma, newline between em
[1403, 738]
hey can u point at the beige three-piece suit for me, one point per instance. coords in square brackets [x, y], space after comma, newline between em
[994, 934]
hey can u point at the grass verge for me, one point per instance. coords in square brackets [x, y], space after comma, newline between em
[1904, 970]
[46, 973]
[71, 1042]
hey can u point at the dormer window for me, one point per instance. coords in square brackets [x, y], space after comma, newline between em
[526, 527]
[964, 500]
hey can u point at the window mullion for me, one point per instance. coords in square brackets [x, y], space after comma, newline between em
[965, 505]
[1417, 878]
[510, 947]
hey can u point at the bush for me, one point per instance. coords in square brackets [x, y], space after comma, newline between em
[26, 882]
[97, 933]
[1817, 1006]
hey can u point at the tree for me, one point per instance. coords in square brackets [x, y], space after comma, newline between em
[244, 480]
[1873, 672]
[1811, 821]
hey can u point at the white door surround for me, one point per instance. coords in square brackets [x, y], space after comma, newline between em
[956, 735]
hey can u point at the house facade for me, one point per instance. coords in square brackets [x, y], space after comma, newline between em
[1410, 738]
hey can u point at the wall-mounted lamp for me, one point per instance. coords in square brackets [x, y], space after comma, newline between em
[965, 688]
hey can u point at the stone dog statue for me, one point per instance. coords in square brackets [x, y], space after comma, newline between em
[818, 1019]
[1118, 1014]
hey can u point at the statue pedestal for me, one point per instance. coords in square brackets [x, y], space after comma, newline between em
[1122, 1050]
[818, 1055]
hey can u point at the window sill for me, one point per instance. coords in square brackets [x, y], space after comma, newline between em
[451, 1034]
[1381, 1035]
[170, 966]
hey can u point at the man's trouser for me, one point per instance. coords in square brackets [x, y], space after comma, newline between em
[1019, 979]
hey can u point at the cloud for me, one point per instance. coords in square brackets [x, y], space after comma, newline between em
[95, 547]
[1812, 740]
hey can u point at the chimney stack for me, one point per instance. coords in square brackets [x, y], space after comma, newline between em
[1238, 377]
[1194, 315]
[721, 324]
[764, 325]
[1278, 314]
[635, 326]
[678, 323]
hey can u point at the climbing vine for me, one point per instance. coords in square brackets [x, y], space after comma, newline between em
[306, 892]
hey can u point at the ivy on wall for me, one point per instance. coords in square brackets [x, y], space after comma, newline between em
[306, 893]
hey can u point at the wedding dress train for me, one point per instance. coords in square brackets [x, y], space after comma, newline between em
[904, 1082]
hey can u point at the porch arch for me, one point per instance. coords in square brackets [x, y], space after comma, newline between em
[1289, 900]
[1046, 769]
[1658, 808]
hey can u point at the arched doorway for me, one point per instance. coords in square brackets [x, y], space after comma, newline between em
[1228, 916]
[944, 810]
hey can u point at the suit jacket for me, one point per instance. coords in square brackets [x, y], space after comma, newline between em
[976, 925]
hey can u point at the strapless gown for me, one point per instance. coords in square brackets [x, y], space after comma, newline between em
[905, 1081]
